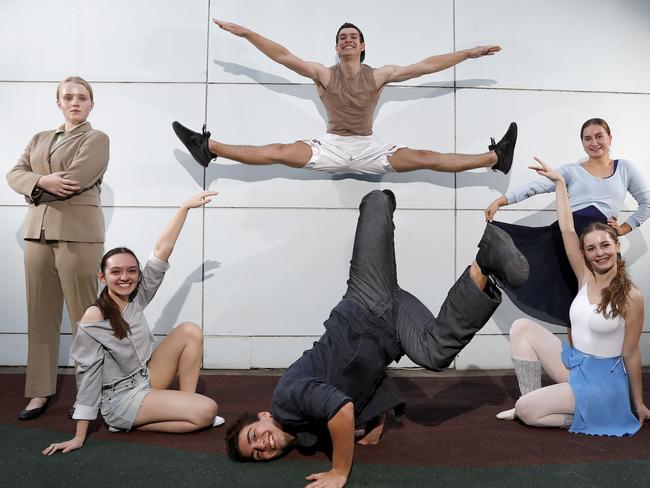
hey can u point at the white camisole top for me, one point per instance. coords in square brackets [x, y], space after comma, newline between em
[591, 332]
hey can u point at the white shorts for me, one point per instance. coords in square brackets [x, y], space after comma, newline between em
[361, 155]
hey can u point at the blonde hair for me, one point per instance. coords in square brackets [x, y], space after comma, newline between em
[75, 79]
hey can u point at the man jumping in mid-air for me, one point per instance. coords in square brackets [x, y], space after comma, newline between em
[349, 91]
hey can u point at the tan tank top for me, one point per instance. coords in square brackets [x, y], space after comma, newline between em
[350, 102]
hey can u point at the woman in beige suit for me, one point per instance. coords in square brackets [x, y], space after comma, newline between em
[60, 174]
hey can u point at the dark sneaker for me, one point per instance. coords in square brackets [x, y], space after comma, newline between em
[499, 257]
[505, 149]
[196, 144]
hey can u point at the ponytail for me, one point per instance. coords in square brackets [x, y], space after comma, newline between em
[615, 296]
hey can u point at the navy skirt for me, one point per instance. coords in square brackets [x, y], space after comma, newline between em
[551, 285]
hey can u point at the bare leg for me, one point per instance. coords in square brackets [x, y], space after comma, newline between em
[477, 276]
[406, 159]
[179, 353]
[175, 411]
[295, 155]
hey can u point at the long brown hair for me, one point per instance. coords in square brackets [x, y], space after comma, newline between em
[107, 305]
[615, 296]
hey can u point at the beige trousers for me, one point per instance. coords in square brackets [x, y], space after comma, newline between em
[54, 271]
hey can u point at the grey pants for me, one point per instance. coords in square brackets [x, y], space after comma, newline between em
[429, 341]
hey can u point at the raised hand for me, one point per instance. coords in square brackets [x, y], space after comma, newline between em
[545, 170]
[479, 51]
[200, 199]
[235, 29]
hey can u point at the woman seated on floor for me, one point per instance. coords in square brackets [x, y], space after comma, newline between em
[116, 369]
[595, 375]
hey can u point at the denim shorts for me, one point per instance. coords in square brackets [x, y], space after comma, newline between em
[122, 400]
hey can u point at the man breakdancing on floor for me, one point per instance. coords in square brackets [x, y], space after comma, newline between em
[350, 91]
[340, 384]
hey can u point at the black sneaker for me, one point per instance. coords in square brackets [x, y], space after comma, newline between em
[196, 144]
[505, 149]
[499, 257]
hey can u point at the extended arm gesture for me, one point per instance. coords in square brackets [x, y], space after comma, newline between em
[278, 53]
[167, 239]
[432, 64]
[565, 218]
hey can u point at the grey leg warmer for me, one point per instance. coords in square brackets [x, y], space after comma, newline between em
[529, 375]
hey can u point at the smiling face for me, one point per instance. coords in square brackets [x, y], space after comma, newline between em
[75, 102]
[263, 440]
[349, 43]
[596, 140]
[600, 250]
[121, 274]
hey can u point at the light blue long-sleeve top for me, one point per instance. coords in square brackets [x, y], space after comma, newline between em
[606, 194]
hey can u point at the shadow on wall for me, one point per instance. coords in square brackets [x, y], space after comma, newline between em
[169, 316]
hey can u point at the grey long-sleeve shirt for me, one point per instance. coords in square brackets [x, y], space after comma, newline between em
[606, 194]
[103, 359]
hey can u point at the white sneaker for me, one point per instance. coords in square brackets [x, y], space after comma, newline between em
[218, 421]
[507, 415]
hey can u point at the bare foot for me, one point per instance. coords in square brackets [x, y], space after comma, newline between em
[372, 437]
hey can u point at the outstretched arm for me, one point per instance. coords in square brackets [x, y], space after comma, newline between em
[565, 219]
[432, 64]
[631, 352]
[278, 53]
[167, 239]
[341, 428]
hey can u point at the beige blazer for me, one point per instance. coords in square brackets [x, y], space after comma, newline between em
[83, 154]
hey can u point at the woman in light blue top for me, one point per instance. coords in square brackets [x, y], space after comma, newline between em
[596, 192]
[118, 372]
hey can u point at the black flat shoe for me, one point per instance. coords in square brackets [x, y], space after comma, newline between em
[196, 144]
[505, 149]
[33, 413]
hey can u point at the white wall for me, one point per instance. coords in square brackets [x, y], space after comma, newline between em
[261, 267]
